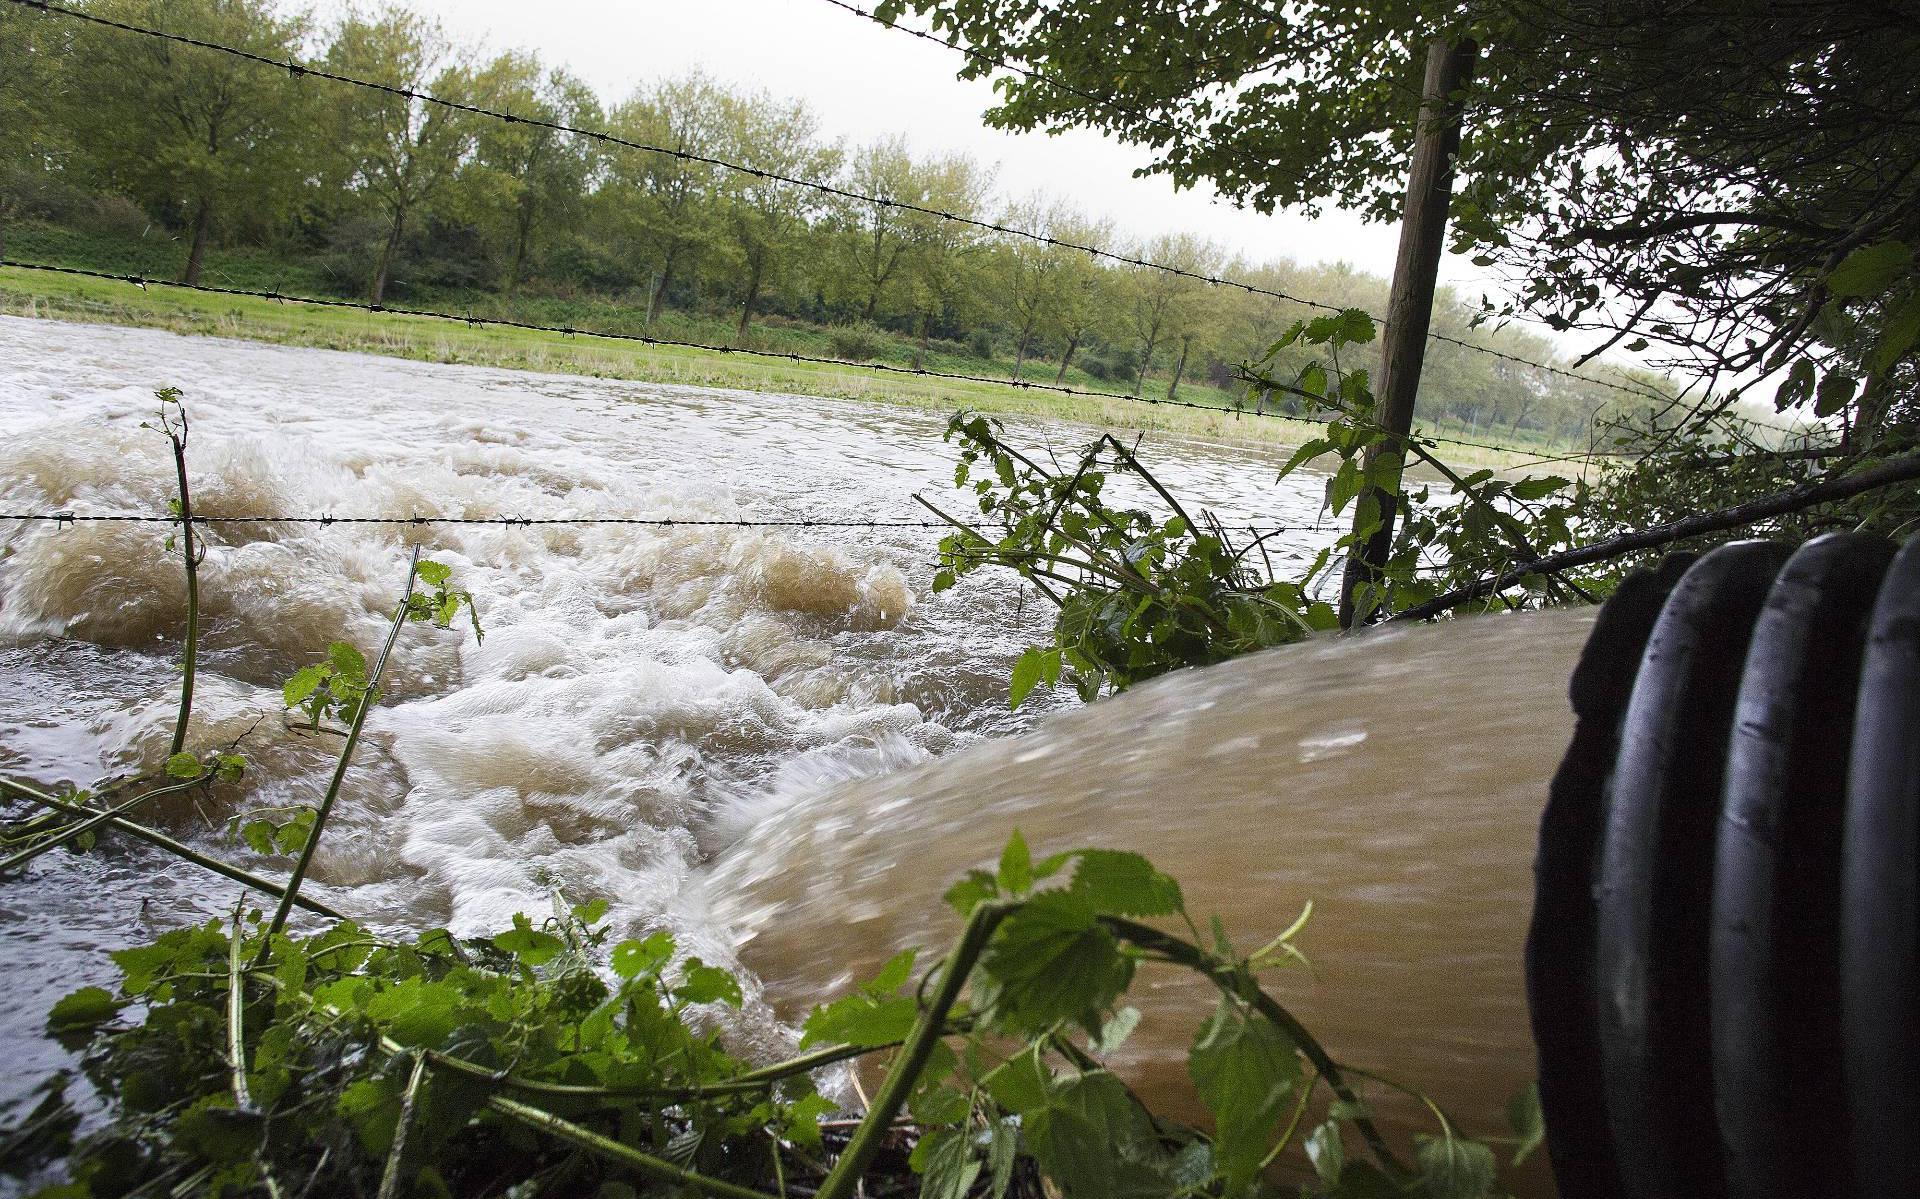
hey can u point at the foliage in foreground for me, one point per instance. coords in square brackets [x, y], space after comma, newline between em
[1146, 586]
[539, 1062]
[253, 1061]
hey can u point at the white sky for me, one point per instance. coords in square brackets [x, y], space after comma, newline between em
[866, 82]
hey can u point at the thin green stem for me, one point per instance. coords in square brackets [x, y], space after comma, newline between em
[919, 1045]
[236, 1008]
[390, 1177]
[613, 1150]
[161, 840]
[340, 765]
[1241, 986]
[190, 559]
[93, 821]
[1293, 1125]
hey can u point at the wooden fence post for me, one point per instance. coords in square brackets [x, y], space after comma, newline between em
[1423, 228]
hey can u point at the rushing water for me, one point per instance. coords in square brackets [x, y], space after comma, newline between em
[776, 742]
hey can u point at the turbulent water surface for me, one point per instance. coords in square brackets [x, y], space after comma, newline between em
[639, 690]
[776, 742]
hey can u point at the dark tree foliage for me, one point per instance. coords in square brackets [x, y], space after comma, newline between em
[1733, 180]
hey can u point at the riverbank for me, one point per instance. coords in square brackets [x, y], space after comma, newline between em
[426, 339]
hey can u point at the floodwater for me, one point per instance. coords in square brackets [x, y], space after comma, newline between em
[776, 742]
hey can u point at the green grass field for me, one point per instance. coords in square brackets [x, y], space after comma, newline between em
[74, 298]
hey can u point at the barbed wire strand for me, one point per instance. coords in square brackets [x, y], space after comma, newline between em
[664, 522]
[1113, 104]
[301, 70]
[143, 282]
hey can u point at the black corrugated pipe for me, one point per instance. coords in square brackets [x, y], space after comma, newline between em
[1724, 962]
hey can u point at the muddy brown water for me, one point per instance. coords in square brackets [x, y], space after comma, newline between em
[778, 743]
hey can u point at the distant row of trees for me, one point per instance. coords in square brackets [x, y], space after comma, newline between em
[401, 200]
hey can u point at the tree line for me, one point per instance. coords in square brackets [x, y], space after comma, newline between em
[396, 200]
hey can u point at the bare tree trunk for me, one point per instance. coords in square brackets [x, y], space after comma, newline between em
[1146, 362]
[197, 255]
[384, 270]
[926, 326]
[753, 294]
[1020, 347]
[659, 297]
[1180, 368]
[523, 233]
[1066, 359]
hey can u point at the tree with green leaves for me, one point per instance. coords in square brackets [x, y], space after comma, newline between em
[400, 152]
[764, 217]
[34, 99]
[524, 178]
[1164, 306]
[1686, 178]
[1084, 294]
[943, 254]
[665, 200]
[206, 136]
[877, 236]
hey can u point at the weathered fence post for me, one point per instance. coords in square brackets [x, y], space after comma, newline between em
[1423, 228]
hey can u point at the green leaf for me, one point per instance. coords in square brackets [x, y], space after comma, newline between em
[1870, 270]
[589, 913]
[1453, 1168]
[1306, 453]
[1835, 391]
[1798, 387]
[1051, 961]
[1538, 487]
[1095, 1142]
[632, 959]
[708, 984]
[974, 889]
[1244, 1069]
[945, 1161]
[1027, 673]
[1016, 866]
[304, 683]
[1528, 1121]
[1355, 328]
[803, 1120]
[87, 1008]
[1346, 483]
[1898, 335]
[432, 573]
[1326, 1152]
[1116, 1030]
[532, 946]
[1022, 1083]
[184, 766]
[860, 1020]
[1124, 884]
[347, 662]
[1003, 1144]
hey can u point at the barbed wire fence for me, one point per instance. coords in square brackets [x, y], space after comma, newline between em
[302, 70]
[478, 322]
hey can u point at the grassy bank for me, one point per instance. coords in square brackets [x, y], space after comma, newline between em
[72, 298]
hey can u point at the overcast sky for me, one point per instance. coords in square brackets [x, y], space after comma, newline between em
[866, 81]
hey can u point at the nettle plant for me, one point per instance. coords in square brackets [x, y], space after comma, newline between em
[1138, 592]
[540, 1062]
[1141, 591]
